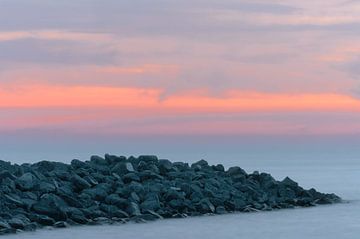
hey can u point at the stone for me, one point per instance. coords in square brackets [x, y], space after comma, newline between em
[219, 168]
[51, 205]
[148, 158]
[42, 219]
[131, 177]
[14, 200]
[113, 159]
[98, 160]
[45, 187]
[164, 166]
[205, 206]
[4, 225]
[75, 163]
[26, 182]
[233, 171]
[18, 222]
[220, 210]
[6, 174]
[152, 202]
[99, 192]
[80, 183]
[133, 209]
[123, 168]
[200, 164]
[61, 224]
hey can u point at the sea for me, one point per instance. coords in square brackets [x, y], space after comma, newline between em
[329, 164]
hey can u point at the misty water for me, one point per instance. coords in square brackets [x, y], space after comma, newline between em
[340, 176]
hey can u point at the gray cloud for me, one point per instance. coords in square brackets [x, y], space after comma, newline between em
[37, 51]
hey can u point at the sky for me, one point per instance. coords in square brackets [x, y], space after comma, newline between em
[108, 71]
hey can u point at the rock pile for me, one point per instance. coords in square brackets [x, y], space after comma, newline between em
[120, 189]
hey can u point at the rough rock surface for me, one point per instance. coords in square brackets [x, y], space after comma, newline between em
[120, 189]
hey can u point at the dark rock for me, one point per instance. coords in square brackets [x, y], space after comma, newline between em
[99, 192]
[130, 177]
[26, 181]
[133, 209]
[6, 174]
[220, 210]
[14, 200]
[151, 202]
[75, 163]
[75, 215]
[18, 222]
[4, 225]
[113, 159]
[61, 224]
[164, 166]
[199, 165]
[117, 189]
[98, 160]
[233, 171]
[45, 187]
[115, 199]
[80, 183]
[205, 206]
[51, 205]
[42, 219]
[219, 168]
[148, 158]
[122, 168]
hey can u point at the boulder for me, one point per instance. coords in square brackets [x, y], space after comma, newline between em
[123, 168]
[80, 183]
[26, 182]
[6, 174]
[51, 205]
[133, 209]
[164, 166]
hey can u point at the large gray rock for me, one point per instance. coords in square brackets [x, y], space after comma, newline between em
[26, 182]
[6, 174]
[80, 183]
[51, 205]
[123, 168]
[133, 209]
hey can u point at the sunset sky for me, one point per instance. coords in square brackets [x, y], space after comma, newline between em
[162, 68]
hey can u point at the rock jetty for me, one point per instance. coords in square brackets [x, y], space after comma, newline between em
[119, 189]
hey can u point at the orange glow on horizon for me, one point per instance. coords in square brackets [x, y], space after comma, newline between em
[40, 96]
